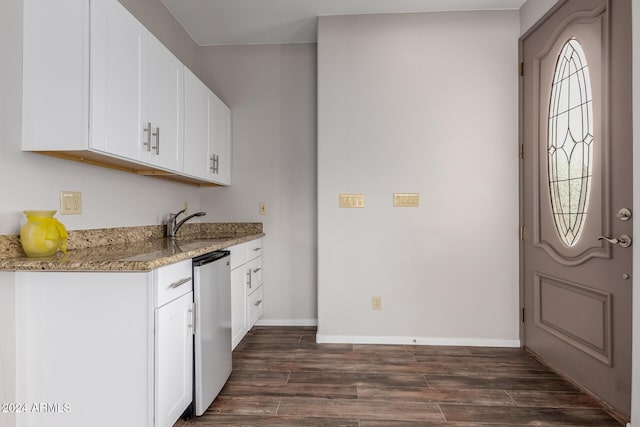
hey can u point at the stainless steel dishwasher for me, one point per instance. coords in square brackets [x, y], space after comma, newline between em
[212, 345]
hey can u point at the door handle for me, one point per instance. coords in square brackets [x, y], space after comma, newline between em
[624, 240]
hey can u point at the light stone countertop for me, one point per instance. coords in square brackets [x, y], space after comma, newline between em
[141, 254]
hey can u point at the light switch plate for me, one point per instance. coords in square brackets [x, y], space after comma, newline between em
[70, 203]
[351, 200]
[406, 200]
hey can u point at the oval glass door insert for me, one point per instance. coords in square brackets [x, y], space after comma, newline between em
[570, 142]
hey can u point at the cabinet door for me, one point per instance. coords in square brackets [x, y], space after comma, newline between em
[239, 280]
[220, 142]
[196, 126]
[118, 80]
[166, 107]
[255, 306]
[173, 360]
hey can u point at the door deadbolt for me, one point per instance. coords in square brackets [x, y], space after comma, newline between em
[624, 214]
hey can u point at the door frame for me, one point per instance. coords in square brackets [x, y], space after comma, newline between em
[635, 383]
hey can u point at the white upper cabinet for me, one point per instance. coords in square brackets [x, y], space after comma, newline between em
[207, 134]
[107, 92]
[166, 106]
[136, 90]
[196, 125]
[119, 80]
[220, 142]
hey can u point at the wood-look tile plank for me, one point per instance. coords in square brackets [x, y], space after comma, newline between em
[505, 415]
[502, 383]
[328, 391]
[357, 379]
[351, 356]
[553, 399]
[271, 377]
[295, 365]
[240, 405]
[414, 349]
[437, 395]
[402, 423]
[371, 409]
[479, 360]
[288, 346]
[270, 421]
[499, 351]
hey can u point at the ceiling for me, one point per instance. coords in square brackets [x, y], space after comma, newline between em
[225, 22]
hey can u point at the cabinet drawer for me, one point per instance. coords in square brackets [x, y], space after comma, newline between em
[238, 255]
[254, 249]
[254, 268]
[256, 306]
[172, 281]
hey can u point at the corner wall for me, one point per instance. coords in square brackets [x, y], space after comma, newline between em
[272, 92]
[420, 103]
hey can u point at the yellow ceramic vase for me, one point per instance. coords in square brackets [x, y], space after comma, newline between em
[42, 235]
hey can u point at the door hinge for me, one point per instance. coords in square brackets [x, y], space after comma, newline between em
[522, 314]
[522, 232]
[521, 151]
[521, 69]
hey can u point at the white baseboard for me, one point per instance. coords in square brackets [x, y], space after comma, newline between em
[287, 322]
[470, 342]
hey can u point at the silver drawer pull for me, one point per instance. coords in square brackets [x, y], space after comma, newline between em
[257, 303]
[192, 325]
[255, 270]
[180, 282]
[147, 143]
[157, 135]
[257, 249]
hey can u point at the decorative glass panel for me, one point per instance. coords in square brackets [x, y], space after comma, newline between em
[570, 143]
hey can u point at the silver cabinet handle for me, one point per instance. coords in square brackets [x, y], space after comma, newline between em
[180, 282]
[257, 249]
[257, 303]
[157, 135]
[248, 274]
[192, 325]
[147, 143]
[624, 240]
[255, 270]
[216, 164]
[212, 168]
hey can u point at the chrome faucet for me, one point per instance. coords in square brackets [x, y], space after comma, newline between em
[173, 227]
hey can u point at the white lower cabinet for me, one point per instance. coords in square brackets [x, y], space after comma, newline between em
[173, 359]
[103, 348]
[238, 305]
[246, 288]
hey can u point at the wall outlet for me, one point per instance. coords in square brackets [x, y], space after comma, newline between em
[376, 303]
[186, 208]
[70, 203]
[262, 209]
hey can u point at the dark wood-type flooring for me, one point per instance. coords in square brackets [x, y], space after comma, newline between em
[281, 377]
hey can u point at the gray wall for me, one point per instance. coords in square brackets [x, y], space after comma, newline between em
[272, 93]
[423, 103]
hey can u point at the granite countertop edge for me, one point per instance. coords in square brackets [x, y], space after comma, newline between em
[123, 257]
